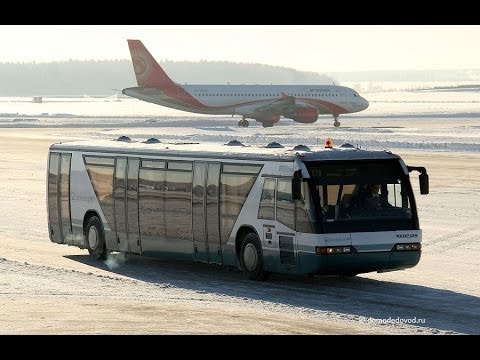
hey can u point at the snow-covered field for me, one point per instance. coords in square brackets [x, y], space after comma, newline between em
[47, 288]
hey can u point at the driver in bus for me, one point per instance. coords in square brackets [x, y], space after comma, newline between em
[372, 199]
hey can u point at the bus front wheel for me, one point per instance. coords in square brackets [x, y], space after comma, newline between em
[251, 258]
[95, 238]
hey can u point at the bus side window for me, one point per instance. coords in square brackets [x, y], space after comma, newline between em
[285, 204]
[266, 209]
[304, 214]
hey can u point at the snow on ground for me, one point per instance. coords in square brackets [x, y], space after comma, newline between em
[47, 288]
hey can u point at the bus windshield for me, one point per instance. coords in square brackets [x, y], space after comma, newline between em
[362, 196]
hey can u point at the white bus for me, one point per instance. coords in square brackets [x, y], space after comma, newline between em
[261, 209]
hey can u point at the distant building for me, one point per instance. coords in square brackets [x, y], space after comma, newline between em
[37, 99]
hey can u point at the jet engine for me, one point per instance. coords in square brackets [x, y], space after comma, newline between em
[268, 121]
[304, 115]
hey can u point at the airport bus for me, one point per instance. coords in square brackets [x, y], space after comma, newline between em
[259, 209]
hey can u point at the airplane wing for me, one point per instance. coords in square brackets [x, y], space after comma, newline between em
[288, 107]
[278, 106]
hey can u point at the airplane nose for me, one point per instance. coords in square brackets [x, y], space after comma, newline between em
[365, 103]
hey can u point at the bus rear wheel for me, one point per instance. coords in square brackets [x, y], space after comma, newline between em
[95, 238]
[251, 258]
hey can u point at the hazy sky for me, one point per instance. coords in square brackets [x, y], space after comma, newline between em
[310, 48]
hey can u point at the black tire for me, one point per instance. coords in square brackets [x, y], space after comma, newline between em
[95, 238]
[251, 258]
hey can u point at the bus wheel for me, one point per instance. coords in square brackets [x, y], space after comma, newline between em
[95, 238]
[251, 258]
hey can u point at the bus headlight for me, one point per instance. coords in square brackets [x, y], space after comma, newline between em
[408, 247]
[330, 250]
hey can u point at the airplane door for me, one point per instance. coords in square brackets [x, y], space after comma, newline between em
[132, 206]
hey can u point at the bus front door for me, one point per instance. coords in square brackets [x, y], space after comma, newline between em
[212, 214]
[206, 230]
[65, 210]
[126, 204]
[132, 206]
[59, 210]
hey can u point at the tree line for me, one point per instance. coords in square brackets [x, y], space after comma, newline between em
[104, 78]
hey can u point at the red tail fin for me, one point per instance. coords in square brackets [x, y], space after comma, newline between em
[147, 70]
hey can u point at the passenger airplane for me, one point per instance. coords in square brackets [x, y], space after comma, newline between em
[264, 103]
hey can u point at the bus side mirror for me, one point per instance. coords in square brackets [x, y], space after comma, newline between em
[297, 186]
[424, 186]
[422, 178]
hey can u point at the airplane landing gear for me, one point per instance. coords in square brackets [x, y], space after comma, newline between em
[336, 123]
[243, 123]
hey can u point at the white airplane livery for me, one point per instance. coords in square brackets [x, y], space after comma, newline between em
[263, 103]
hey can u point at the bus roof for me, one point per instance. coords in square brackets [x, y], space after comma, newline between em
[231, 150]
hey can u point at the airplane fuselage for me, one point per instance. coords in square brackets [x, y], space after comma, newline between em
[243, 99]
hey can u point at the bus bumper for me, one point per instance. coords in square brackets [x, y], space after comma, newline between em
[350, 264]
